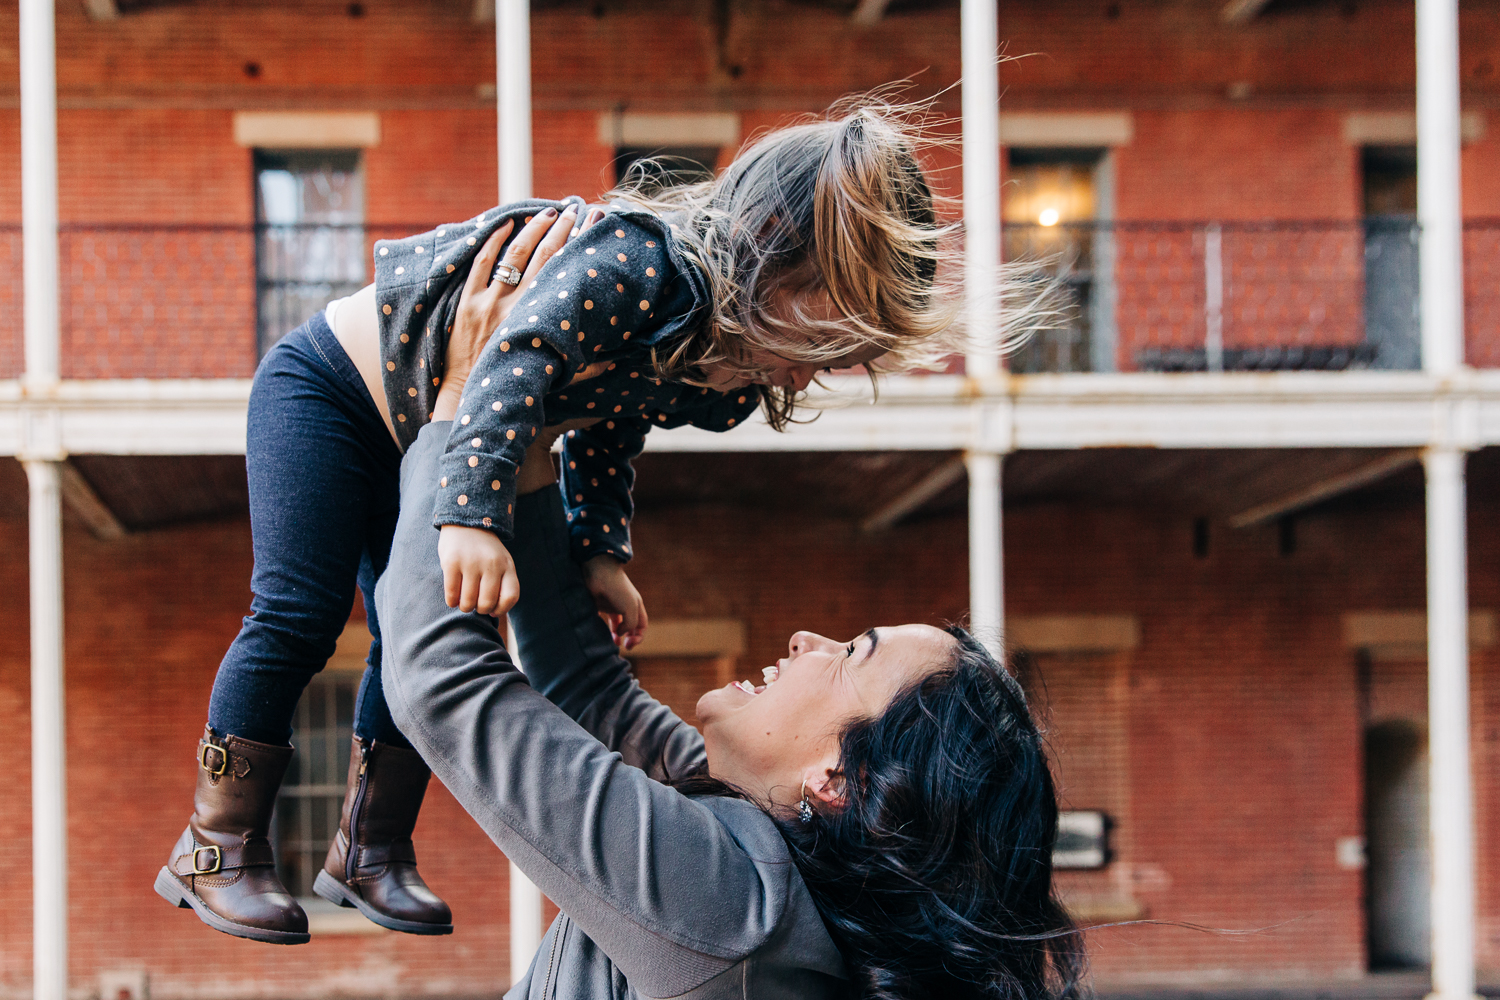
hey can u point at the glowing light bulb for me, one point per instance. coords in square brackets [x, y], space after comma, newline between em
[1048, 217]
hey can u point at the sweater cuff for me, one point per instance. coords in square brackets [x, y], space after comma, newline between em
[596, 529]
[482, 496]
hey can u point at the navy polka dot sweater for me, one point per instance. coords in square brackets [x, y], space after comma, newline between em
[576, 345]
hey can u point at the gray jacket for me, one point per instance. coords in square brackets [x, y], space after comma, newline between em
[661, 895]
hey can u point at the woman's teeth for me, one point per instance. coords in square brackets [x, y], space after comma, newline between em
[771, 674]
[746, 687]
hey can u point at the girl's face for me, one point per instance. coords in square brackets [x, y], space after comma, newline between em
[783, 372]
[777, 738]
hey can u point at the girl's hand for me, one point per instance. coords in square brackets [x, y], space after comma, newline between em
[478, 574]
[617, 599]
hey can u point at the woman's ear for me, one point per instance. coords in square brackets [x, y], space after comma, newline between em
[826, 788]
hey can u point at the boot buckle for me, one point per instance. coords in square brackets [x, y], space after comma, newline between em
[223, 762]
[215, 867]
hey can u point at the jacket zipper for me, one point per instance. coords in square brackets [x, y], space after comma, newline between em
[351, 857]
[549, 987]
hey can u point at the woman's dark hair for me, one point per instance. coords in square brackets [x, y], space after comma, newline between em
[935, 876]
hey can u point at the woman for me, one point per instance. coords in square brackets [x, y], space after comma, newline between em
[876, 821]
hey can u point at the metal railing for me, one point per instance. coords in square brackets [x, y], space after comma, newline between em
[205, 301]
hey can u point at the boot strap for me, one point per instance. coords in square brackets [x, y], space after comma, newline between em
[211, 860]
[218, 760]
[384, 854]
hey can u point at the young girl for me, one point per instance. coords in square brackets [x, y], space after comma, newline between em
[816, 248]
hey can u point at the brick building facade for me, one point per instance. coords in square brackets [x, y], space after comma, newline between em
[1225, 736]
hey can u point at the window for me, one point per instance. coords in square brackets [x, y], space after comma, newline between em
[667, 165]
[310, 240]
[1050, 208]
[312, 794]
[1390, 208]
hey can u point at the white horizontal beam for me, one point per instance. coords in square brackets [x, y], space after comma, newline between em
[912, 413]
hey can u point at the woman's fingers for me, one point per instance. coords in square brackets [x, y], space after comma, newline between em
[595, 215]
[556, 237]
[523, 246]
[484, 264]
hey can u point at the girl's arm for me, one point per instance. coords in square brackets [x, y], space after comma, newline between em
[654, 878]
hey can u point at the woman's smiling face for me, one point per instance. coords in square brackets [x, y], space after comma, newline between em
[784, 734]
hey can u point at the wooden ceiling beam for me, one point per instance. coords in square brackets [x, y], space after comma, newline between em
[85, 502]
[869, 12]
[102, 10]
[911, 499]
[1326, 489]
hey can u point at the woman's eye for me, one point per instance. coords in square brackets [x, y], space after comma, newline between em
[850, 650]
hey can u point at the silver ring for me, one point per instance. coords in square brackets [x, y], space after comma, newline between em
[508, 273]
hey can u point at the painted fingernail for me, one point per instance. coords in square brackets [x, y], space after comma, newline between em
[549, 213]
[571, 210]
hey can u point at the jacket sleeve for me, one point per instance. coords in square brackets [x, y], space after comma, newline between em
[654, 878]
[570, 659]
[597, 480]
[599, 291]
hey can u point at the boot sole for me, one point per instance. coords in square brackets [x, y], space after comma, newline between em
[169, 888]
[334, 891]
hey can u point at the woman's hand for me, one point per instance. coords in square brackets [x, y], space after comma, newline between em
[617, 599]
[478, 573]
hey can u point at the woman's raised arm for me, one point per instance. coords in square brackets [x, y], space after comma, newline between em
[654, 878]
[568, 655]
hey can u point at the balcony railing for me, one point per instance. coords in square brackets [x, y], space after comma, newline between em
[204, 301]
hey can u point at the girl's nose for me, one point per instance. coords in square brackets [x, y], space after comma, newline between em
[802, 376]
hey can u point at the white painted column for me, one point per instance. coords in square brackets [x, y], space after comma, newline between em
[1439, 209]
[513, 97]
[981, 175]
[1440, 281]
[525, 897]
[49, 794]
[1451, 806]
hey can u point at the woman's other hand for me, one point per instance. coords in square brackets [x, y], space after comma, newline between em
[617, 599]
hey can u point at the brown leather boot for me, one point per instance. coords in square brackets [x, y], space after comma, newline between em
[371, 864]
[222, 865]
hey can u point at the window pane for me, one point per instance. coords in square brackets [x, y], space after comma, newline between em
[312, 796]
[310, 245]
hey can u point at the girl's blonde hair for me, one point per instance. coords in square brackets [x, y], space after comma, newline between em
[836, 203]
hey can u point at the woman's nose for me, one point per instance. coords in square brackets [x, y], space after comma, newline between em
[802, 377]
[806, 642]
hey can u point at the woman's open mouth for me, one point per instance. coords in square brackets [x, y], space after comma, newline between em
[769, 674]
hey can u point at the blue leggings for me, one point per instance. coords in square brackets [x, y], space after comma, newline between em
[324, 494]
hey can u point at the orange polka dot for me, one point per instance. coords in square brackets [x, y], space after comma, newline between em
[412, 391]
[620, 233]
[593, 273]
[566, 325]
[443, 481]
[473, 461]
[465, 420]
[549, 369]
[405, 339]
[517, 371]
[651, 243]
[510, 435]
[401, 418]
[650, 272]
[605, 526]
[400, 270]
[390, 366]
[585, 541]
[487, 522]
[529, 400]
[635, 374]
[741, 399]
[572, 465]
[614, 321]
[436, 381]
[495, 484]
[451, 268]
[588, 303]
[589, 407]
[578, 498]
[386, 309]
[621, 258]
[495, 406]
[731, 421]
[384, 251]
[485, 382]
[462, 499]
[418, 307]
[504, 345]
[590, 250]
[617, 409]
[476, 442]
[580, 336]
[645, 304]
